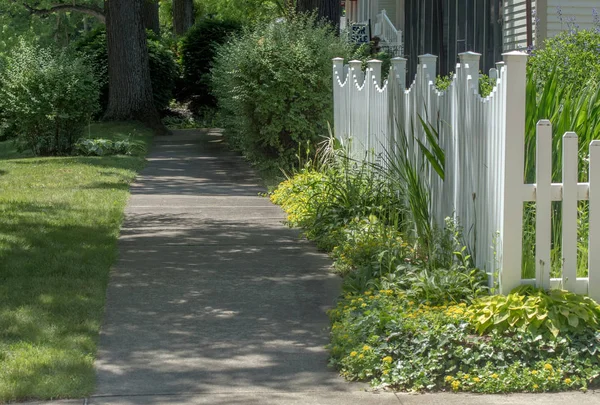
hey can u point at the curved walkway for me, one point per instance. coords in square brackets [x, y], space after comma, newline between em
[213, 300]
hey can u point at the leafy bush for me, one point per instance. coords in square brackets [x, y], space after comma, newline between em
[197, 53]
[104, 147]
[273, 84]
[536, 312]
[299, 196]
[48, 97]
[572, 54]
[163, 68]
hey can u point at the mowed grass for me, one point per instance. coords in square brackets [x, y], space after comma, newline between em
[59, 222]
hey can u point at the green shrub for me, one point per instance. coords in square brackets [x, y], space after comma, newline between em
[197, 53]
[273, 84]
[48, 97]
[536, 312]
[574, 55]
[365, 52]
[163, 68]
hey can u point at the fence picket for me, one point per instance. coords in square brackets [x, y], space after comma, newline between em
[569, 210]
[543, 178]
[594, 235]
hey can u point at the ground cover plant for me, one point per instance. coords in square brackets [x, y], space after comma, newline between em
[59, 222]
[415, 315]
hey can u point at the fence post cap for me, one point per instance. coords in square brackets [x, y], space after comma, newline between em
[427, 56]
[594, 143]
[545, 123]
[569, 135]
[399, 59]
[354, 61]
[338, 59]
[373, 61]
[515, 56]
[469, 55]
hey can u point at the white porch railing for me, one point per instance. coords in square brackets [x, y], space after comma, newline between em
[390, 36]
[484, 144]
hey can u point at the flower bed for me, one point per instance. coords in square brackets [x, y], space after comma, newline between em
[407, 323]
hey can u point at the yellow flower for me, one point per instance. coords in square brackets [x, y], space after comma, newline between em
[387, 359]
[568, 381]
[366, 348]
[386, 372]
[534, 372]
[466, 376]
[495, 375]
[363, 305]
[535, 386]
[455, 385]
[449, 378]
[368, 292]
[476, 379]
[361, 356]
[352, 354]
[548, 366]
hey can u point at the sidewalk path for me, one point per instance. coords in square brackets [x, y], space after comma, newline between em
[213, 300]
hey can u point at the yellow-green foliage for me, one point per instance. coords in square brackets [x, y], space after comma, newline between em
[535, 311]
[299, 196]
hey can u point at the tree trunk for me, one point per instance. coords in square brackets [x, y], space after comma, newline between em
[150, 15]
[130, 89]
[330, 10]
[183, 16]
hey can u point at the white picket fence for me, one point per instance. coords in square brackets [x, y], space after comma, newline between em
[484, 142]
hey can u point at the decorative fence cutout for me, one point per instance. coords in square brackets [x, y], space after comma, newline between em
[484, 144]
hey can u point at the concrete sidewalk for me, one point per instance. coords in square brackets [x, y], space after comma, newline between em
[214, 301]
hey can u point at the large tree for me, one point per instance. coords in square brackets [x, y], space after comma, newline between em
[331, 10]
[130, 88]
[150, 15]
[183, 16]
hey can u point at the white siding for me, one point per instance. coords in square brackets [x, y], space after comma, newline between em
[515, 24]
[579, 10]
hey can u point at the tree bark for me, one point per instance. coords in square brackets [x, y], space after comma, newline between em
[150, 15]
[130, 88]
[330, 10]
[183, 16]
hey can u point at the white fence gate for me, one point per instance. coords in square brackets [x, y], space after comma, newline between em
[484, 141]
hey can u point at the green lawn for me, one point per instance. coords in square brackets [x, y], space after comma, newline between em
[59, 222]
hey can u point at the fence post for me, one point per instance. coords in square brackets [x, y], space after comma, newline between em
[512, 171]
[338, 71]
[396, 87]
[374, 65]
[428, 63]
[470, 62]
[356, 72]
[594, 223]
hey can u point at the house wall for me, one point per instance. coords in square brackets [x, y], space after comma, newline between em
[548, 20]
[446, 28]
[516, 23]
[572, 12]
